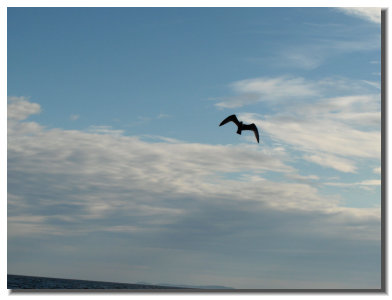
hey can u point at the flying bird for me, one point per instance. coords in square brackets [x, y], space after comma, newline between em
[241, 126]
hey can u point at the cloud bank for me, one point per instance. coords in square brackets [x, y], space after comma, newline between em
[150, 210]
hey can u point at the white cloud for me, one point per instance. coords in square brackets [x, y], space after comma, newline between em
[19, 108]
[371, 14]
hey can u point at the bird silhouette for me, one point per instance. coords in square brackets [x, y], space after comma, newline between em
[241, 126]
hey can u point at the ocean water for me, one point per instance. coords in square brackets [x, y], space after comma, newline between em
[16, 282]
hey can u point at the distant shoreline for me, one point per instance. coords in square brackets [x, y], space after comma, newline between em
[23, 282]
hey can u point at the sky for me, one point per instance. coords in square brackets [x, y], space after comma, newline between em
[118, 169]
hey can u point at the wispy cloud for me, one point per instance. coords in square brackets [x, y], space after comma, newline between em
[325, 45]
[370, 14]
[74, 117]
[274, 89]
[255, 90]
[332, 161]
[377, 170]
[143, 120]
[163, 116]
[330, 133]
[330, 130]
[365, 184]
[105, 129]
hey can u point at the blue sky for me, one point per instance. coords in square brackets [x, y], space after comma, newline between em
[118, 170]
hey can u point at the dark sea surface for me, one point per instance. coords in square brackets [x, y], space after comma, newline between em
[16, 282]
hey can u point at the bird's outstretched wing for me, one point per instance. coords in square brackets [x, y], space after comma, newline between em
[253, 128]
[231, 118]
